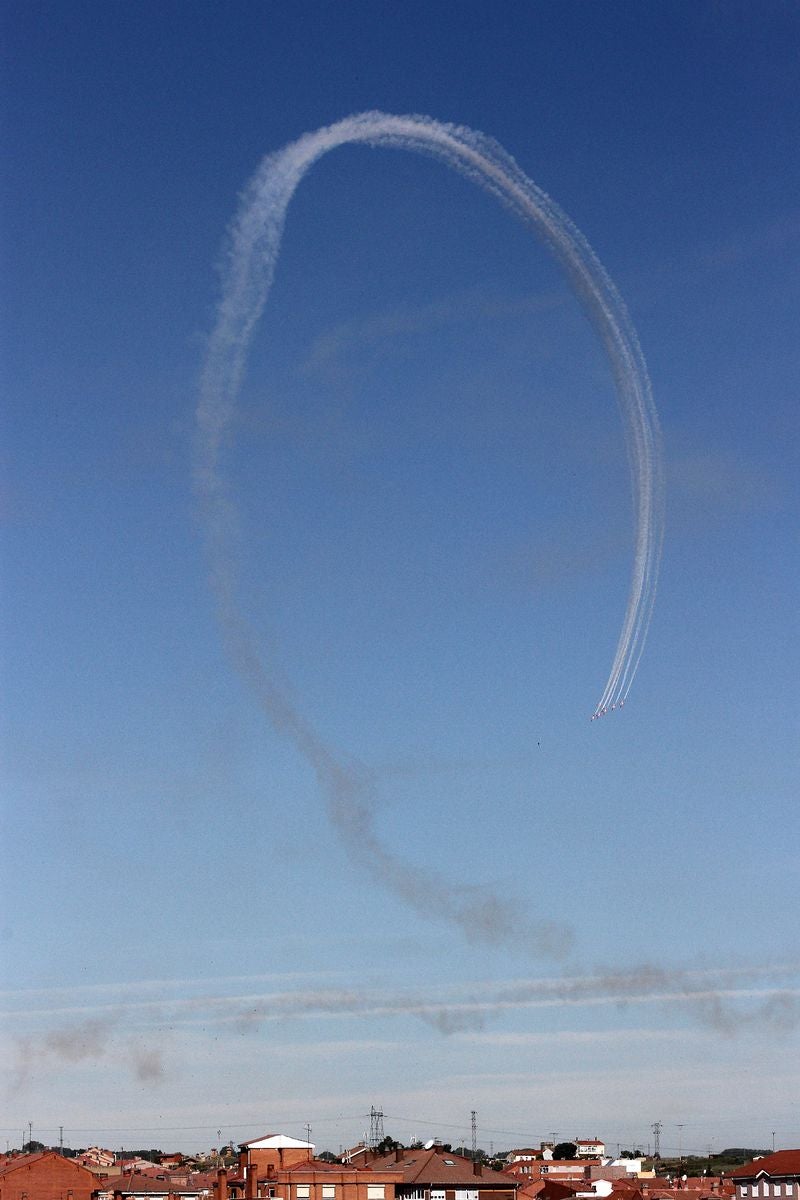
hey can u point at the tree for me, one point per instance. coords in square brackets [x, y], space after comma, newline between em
[33, 1147]
[327, 1156]
[565, 1150]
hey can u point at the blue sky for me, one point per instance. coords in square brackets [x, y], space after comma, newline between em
[435, 544]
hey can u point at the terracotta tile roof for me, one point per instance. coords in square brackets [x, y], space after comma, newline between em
[20, 1160]
[667, 1192]
[549, 1189]
[131, 1182]
[783, 1162]
[27, 1160]
[441, 1168]
[623, 1189]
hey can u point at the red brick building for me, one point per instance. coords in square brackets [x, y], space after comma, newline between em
[276, 1167]
[45, 1176]
[438, 1174]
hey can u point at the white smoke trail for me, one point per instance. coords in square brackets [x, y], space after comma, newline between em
[253, 252]
[255, 244]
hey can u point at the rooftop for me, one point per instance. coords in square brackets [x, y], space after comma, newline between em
[783, 1162]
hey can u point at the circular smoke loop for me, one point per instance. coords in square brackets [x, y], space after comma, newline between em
[253, 249]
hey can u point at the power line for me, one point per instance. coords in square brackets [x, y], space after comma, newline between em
[445, 1125]
[245, 1125]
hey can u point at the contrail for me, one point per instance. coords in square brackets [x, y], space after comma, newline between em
[254, 245]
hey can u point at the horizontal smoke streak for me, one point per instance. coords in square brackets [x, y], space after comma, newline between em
[641, 985]
[133, 1032]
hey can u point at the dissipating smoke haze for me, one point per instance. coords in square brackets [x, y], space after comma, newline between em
[254, 246]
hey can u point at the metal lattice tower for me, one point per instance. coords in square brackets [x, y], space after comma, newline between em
[657, 1143]
[376, 1134]
[474, 1135]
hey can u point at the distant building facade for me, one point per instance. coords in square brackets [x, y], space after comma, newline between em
[589, 1148]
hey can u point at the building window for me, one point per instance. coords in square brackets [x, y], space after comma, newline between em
[302, 1191]
[328, 1191]
[437, 1193]
[375, 1191]
[743, 1190]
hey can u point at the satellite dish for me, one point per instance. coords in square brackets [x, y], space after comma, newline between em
[429, 1144]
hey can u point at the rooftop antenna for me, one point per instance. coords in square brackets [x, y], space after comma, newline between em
[657, 1135]
[474, 1135]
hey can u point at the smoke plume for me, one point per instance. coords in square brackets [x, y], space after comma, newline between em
[253, 252]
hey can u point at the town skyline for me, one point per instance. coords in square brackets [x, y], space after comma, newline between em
[674, 1145]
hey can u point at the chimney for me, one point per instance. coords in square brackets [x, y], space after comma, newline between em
[398, 1153]
[250, 1181]
[222, 1184]
[477, 1168]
